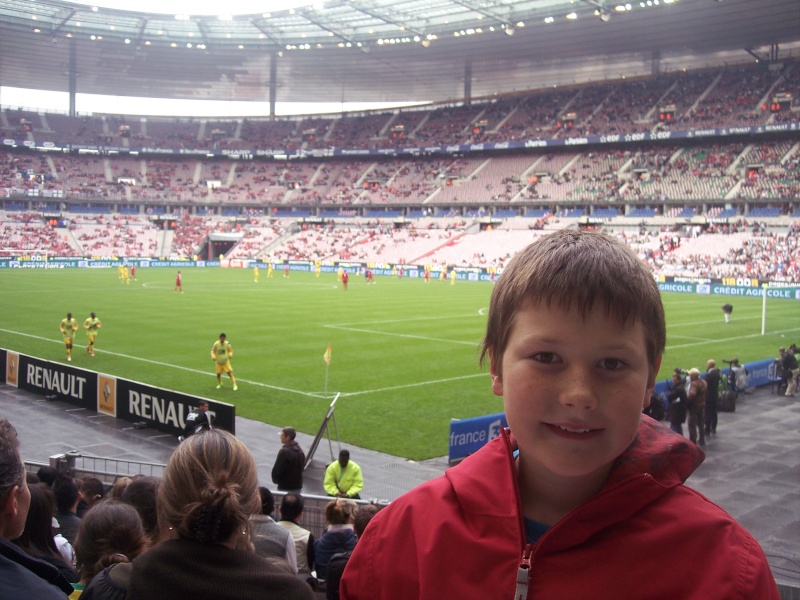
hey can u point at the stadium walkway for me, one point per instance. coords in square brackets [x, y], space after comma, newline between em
[752, 466]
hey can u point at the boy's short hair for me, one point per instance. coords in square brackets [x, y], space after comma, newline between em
[66, 492]
[93, 487]
[576, 269]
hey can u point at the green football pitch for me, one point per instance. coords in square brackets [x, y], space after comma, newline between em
[404, 353]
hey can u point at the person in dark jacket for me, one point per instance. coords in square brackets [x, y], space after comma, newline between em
[676, 413]
[67, 494]
[197, 420]
[339, 536]
[287, 472]
[338, 562]
[727, 309]
[37, 538]
[22, 577]
[713, 379]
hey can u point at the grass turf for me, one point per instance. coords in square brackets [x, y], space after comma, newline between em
[404, 353]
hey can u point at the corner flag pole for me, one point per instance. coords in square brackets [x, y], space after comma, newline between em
[764, 309]
[327, 358]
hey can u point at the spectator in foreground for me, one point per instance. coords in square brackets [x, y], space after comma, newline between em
[291, 513]
[21, 576]
[339, 536]
[338, 561]
[580, 479]
[91, 492]
[141, 494]
[207, 494]
[67, 496]
[269, 538]
[37, 539]
[47, 475]
[120, 483]
[111, 532]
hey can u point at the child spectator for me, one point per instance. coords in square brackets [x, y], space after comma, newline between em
[561, 504]
[339, 536]
[111, 532]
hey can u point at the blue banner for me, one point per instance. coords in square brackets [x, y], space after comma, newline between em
[469, 435]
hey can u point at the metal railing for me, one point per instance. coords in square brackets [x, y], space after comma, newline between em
[108, 470]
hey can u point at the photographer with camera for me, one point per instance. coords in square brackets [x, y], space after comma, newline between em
[737, 378]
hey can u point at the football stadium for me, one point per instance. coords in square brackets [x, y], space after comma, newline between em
[349, 252]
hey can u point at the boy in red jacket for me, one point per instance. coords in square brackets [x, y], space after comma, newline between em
[583, 496]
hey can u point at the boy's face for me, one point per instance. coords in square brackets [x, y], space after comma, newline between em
[573, 389]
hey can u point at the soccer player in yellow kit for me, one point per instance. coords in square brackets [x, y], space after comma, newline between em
[92, 324]
[68, 328]
[255, 274]
[221, 353]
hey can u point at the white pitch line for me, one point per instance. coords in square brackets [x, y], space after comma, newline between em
[409, 320]
[411, 385]
[402, 335]
[179, 367]
[731, 339]
[255, 383]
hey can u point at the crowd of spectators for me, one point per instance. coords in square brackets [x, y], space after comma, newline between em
[200, 530]
[719, 97]
[740, 249]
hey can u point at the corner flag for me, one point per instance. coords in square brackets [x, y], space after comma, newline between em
[327, 356]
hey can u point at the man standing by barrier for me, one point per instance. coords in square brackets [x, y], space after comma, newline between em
[287, 473]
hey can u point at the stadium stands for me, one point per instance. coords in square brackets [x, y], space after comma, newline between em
[108, 200]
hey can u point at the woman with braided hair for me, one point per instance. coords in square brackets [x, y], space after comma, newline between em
[206, 496]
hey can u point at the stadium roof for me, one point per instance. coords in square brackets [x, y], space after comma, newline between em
[379, 50]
